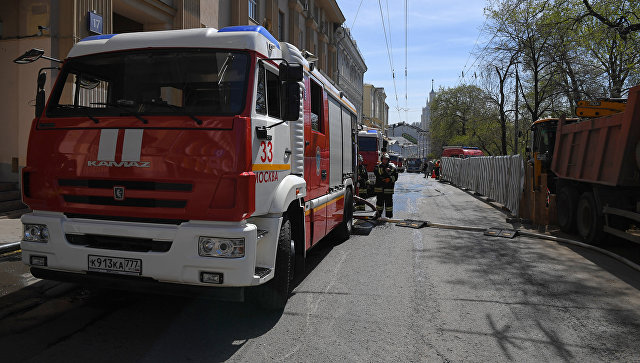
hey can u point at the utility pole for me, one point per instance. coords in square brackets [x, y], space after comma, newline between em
[515, 146]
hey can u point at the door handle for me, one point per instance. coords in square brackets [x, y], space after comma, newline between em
[324, 174]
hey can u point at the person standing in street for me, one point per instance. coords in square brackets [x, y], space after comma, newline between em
[363, 182]
[386, 175]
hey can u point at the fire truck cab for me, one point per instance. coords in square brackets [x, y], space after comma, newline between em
[193, 158]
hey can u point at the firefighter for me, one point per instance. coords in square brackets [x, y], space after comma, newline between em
[363, 182]
[386, 176]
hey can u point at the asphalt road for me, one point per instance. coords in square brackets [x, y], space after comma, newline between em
[396, 295]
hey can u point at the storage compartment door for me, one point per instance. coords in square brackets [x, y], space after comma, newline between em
[335, 143]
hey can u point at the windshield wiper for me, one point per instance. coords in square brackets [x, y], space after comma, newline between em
[123, 105]
[75, 107]
[160, 102]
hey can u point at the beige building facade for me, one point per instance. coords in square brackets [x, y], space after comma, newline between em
[374, 107]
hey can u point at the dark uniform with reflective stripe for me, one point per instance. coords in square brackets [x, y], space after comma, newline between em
[386, 176]
[363, 177]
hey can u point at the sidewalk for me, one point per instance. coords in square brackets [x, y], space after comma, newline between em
[10, 231]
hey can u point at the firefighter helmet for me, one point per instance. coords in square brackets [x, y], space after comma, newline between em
[385, 156]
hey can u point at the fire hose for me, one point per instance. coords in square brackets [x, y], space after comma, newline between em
[507, 233]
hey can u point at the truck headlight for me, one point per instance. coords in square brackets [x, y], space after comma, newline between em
[221, 247]
[35, 233]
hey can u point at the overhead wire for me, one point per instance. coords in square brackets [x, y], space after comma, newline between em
[406, 46]
[386, 40]
[355, 17]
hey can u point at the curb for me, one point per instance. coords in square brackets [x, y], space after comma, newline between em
[9, 247]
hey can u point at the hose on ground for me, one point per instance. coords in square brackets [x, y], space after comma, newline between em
[541, 236]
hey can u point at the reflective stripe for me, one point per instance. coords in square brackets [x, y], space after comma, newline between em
[379, 208]
[389, 209]
[377, 190]
[107, 144]
[388, 191]
[132, 145]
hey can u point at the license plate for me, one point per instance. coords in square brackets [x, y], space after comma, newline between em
[117, 265]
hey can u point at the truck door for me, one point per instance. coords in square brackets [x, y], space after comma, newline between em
[316, 163]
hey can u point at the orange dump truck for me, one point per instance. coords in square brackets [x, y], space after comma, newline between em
[597, 164]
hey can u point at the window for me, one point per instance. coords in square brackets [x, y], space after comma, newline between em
[367, 144]
[152, 82]
[273, 94]
[316, 107]
[261, 92]
[281, 26]
[253, 11]
[267, 93]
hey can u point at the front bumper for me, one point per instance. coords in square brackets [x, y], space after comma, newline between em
[180, 264]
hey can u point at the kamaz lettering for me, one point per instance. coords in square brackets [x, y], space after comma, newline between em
[121, 164]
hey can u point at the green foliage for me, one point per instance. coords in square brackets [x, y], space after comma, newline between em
[464, 115]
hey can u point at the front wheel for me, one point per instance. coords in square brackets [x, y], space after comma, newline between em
[274, 294]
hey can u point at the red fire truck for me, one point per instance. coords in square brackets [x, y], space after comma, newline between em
[187, 158]
[370, 144]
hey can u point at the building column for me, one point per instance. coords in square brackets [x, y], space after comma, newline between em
[239, 12]
[294, 24]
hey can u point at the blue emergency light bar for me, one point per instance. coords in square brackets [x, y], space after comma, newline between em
[372, 131]
[98, 37]
[251, 28]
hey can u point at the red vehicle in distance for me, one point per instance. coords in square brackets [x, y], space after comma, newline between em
[461, 151]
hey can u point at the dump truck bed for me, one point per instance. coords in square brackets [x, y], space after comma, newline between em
[601, 150]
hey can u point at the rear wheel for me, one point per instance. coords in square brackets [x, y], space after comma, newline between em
[567, 203]
[589, 223]
[344, 229]
[274, 294]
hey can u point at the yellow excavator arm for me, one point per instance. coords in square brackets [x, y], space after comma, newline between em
[600, 108]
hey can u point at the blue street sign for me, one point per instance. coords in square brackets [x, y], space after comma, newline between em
[94, 22]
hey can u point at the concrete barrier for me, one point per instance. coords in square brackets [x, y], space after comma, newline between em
[500, 178]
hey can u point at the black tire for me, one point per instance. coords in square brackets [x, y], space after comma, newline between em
[588, 222]
[274, 294]
[567, 205]
[343, 231]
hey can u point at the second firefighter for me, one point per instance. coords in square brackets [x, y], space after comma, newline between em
[386, 176]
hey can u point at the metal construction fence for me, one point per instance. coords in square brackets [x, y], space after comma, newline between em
[500, 178]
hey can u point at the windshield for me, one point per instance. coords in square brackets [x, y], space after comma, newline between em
[152, 82]
[367, 144]
[545, 138]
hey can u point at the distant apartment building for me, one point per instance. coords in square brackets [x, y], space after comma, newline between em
[351, 69]
[375, 109]
[418, 137]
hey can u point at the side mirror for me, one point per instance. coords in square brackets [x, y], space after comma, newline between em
[42, 79]
[40, 95]
[291, 72]
[291, 101]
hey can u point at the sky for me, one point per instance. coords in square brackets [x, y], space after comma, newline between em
[441, 34]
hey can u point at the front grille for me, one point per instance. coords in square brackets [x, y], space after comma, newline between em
[129, 202]
[126, 219]
[118, 243]
[128, 184]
